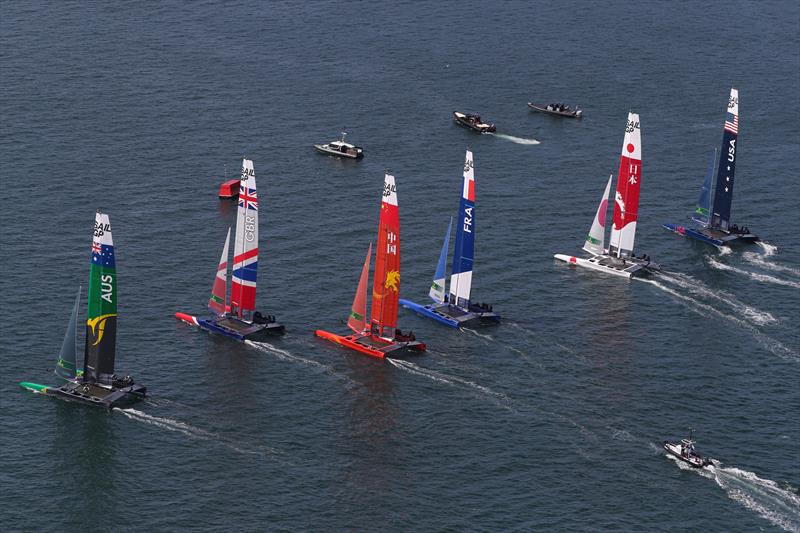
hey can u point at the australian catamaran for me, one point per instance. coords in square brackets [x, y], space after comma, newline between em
[237, 318]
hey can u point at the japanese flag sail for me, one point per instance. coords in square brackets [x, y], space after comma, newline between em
[245, 249]
[101, 312]
[218, 300]
[595, 241]
[386, 280]
[626, 198]
[464, 254]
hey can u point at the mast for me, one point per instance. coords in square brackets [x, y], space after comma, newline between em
[626, 199]
[701, 212]
[219, 291]
[438, 286]
[245, 250]
[357, 321]
[595, 241]
[721, 212]
[464, 254]
[66, 367]
[101, 314]
[386, 281]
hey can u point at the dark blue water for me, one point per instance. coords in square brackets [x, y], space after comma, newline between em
[552, 421]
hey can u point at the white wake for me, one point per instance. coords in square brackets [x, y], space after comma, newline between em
[759, 260]
[713, 263]
[513, 139]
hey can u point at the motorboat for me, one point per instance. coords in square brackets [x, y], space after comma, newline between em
[473, 122]
[684, 451]
[341, 148]
[561, 110]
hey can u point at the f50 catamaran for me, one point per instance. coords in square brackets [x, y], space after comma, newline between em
[237, 318]
[713, 220]
[458, 310]
[96, 384]
[619, 258]
[379, 337]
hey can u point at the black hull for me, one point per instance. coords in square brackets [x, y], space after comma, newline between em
[567, 114]
[99, 396]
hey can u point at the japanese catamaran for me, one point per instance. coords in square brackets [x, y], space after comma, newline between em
[96, 384]
[379, 337]
[619, 258]
[713, 220]
[457, 310]
[237, 317]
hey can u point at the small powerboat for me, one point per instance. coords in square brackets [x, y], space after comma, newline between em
[684, 451]
[341, 148]
[562, 110]
[473, 122]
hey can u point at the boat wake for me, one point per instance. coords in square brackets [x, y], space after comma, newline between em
[477, 334]
[194, 432]
[713, 263]
[760, 261]
[769, 249]
[516, 140]
[286, 355]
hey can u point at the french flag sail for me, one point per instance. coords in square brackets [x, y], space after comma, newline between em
[626, 199]
[437, 287]
[245, 250]
[386, 280]
[464, 254]
[219, 297]
[357, 321]
[595, 241]
[723, 196]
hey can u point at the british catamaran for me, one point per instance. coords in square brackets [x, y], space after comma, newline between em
[96, 384]
[236, 316]
[457, 310]
[379, 337]
[619, 258]
[713, 219]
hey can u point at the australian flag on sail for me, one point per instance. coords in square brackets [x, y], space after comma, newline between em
[732, 123]
[248, 198]
[103, 255]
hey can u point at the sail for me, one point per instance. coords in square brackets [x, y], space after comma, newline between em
[386, 281]
[219, 297]
[101, 314]
[595, 241]
[437, 287]
[721, 212]
[245, 249]
[701, 212]
[66, 367]
[626, 199]
[464, 254]
[357, 321]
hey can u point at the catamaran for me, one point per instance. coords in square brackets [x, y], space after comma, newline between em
[236, 317]
[379, 337]
[713, 220]
[457, 310]
[96, 384]
[619, 258]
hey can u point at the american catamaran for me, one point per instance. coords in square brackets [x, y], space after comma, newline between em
[379, 337]
[713, 220]
[457, 310]
[619, 258]
[96, 384]
[237, 317]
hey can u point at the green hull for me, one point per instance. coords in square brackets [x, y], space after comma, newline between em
[35, 387]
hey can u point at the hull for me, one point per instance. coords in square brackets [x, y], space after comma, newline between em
[234, 328]
[568, 114]
[462, 120]
[89, 394]
[229, 189]
[607, 264]
[452, 316]
[370, 345]
[711, 236]
[336, 153]
[694, 460]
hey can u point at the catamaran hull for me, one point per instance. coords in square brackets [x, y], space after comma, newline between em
[631, 270]
[234, 328]
[452, 317]
[717, 238]
[89, 394]
[372, 346]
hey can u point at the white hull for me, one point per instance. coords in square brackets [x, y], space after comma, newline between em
[603, 263]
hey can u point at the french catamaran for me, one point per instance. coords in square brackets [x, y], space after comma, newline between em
[236, 317]
[619, 258]
[96, 384]
[379, 337]
[713, 220]
[457, 310]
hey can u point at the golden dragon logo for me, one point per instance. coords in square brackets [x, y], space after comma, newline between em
[98, 327]
[392, 280]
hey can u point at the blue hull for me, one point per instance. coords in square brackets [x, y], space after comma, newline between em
[453, 317]
[724, 239]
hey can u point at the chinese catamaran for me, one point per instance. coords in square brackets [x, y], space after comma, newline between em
[235, 316]
[379, 336]
[458, 310]
[713, 218]
[619, 258]
[96, 384]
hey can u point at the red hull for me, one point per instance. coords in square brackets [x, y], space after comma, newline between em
[369, 344]
[229, 189]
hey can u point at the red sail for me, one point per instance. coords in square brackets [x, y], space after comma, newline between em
[386, 282]
[357, 321]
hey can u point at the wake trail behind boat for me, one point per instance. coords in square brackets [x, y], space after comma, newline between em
[752, 275]
[758, 260]
[516, 140]
[477, 334]
[286, 355]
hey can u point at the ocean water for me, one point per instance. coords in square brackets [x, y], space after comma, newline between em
[551, 421]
